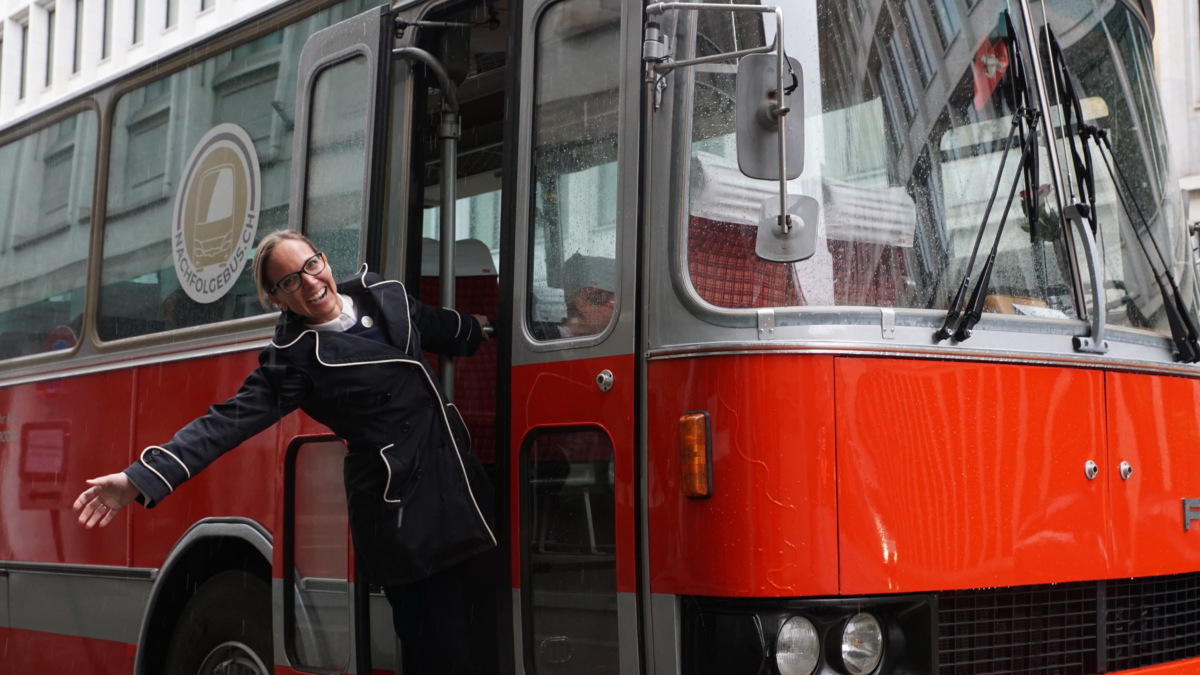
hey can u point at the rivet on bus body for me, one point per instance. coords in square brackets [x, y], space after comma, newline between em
[1126, 470]
[1090, 469]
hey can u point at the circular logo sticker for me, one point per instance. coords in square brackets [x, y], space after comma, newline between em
[216, 213]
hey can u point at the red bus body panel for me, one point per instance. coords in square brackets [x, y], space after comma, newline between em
[770, 527]
[564, 394]
[968, 475]
[163, 405]
[1154, 425]
[27, 651]
[60, 433]
[860, 475]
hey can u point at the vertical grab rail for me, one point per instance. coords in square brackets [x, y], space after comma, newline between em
[448, 132]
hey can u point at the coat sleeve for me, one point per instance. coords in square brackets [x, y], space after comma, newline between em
[267, 394]
[445, 331]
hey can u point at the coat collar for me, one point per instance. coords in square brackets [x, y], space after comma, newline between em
[368, 290]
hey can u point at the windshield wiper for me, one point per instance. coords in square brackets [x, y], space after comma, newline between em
[960, 320]
[1183, 330]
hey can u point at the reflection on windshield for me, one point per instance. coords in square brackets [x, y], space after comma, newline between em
[907, 114]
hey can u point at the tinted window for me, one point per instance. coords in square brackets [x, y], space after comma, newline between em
[179, 235]
[575, 171]
[46, 182]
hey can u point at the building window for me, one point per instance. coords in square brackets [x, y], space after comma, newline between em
[172, 12]
[919, 41]
[107, 30]
[50, 16]
[78, 56]
[948, 23]
[207, 4]
[138, 20]
[24, 64]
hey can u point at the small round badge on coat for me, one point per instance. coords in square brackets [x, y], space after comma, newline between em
[367, 322]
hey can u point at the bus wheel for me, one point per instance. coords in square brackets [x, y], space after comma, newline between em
[225, 629]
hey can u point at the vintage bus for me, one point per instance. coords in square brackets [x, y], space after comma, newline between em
[834, 336]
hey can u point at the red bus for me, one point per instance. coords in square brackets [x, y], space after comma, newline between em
[834, 337]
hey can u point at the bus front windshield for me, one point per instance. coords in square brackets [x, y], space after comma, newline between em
[908, 109]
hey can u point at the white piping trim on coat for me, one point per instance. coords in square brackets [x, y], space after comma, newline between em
[302, 334]
[388, 485]
[403, 293]
[445, 419]
[142, 459]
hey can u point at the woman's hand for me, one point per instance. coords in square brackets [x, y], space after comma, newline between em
[483, 323]
[107, 495]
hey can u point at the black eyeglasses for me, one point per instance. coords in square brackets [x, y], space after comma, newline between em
[288, 283]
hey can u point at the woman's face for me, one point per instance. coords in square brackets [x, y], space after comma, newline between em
[316, 299]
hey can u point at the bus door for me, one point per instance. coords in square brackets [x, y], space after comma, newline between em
[341, 116]
[573, 385]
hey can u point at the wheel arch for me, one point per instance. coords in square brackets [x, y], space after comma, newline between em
[209, 547]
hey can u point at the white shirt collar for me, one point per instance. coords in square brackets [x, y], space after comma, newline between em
[344, 322]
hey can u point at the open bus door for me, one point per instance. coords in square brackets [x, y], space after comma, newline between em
[340, 124]
[369, 145]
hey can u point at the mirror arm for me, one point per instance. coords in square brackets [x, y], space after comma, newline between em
[660, 8]
[778, 113]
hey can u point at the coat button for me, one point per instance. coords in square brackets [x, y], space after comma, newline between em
[156, 451]
[405, 428]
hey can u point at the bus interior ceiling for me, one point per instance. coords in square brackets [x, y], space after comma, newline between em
[475, 58]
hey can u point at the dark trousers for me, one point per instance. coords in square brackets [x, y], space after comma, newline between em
[446, 622]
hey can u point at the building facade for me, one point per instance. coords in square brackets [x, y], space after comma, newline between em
[1177, 62]
[52, 49]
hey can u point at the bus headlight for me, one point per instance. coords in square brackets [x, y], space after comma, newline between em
[862, 644]
[797, 647]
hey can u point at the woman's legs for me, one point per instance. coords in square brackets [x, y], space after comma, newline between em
[439, 620]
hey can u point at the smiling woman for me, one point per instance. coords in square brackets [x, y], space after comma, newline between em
[380, 396]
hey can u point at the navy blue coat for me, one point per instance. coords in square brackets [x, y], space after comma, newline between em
[418, 498]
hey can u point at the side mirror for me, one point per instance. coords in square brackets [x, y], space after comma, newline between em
[758, 99]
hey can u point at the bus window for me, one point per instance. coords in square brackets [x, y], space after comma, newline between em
[903, 181]
[570, 546]
[573, 261]
[317, 602]
[173, 255]
[336, 162]
[1135, 170]
[44, 235]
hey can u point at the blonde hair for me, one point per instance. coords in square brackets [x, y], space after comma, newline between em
[262, 254]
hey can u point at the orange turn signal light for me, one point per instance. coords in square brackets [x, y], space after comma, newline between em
[695, 455]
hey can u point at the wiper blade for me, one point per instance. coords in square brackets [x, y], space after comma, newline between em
[950, 324]
[975, 308]
[961, 320]
[1183, 329]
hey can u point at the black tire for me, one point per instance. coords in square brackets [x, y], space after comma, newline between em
[225, 629]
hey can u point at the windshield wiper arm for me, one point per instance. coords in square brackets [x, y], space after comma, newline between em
[1183, 329]
[979, 294]
[957, 323]
[950, 324]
